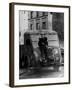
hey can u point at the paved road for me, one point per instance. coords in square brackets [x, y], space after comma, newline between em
[44, 72]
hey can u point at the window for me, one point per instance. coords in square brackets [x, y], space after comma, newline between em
[43, 13]
[43, 25]
[31, 14]
[37, 14]
[28, 42]
[31, 26]
[37, 26]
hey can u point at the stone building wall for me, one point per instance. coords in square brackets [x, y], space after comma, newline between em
[23, 25]
[40, 20]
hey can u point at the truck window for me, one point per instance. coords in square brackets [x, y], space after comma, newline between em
[28, 42]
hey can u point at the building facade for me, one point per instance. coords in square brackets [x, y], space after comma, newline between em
[23, 25]
[33, 20]
[40, 20]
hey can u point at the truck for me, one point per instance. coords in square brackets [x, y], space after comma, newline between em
[32, 56]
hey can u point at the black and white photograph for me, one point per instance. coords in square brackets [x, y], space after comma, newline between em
[40, 53]
[41, 44]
